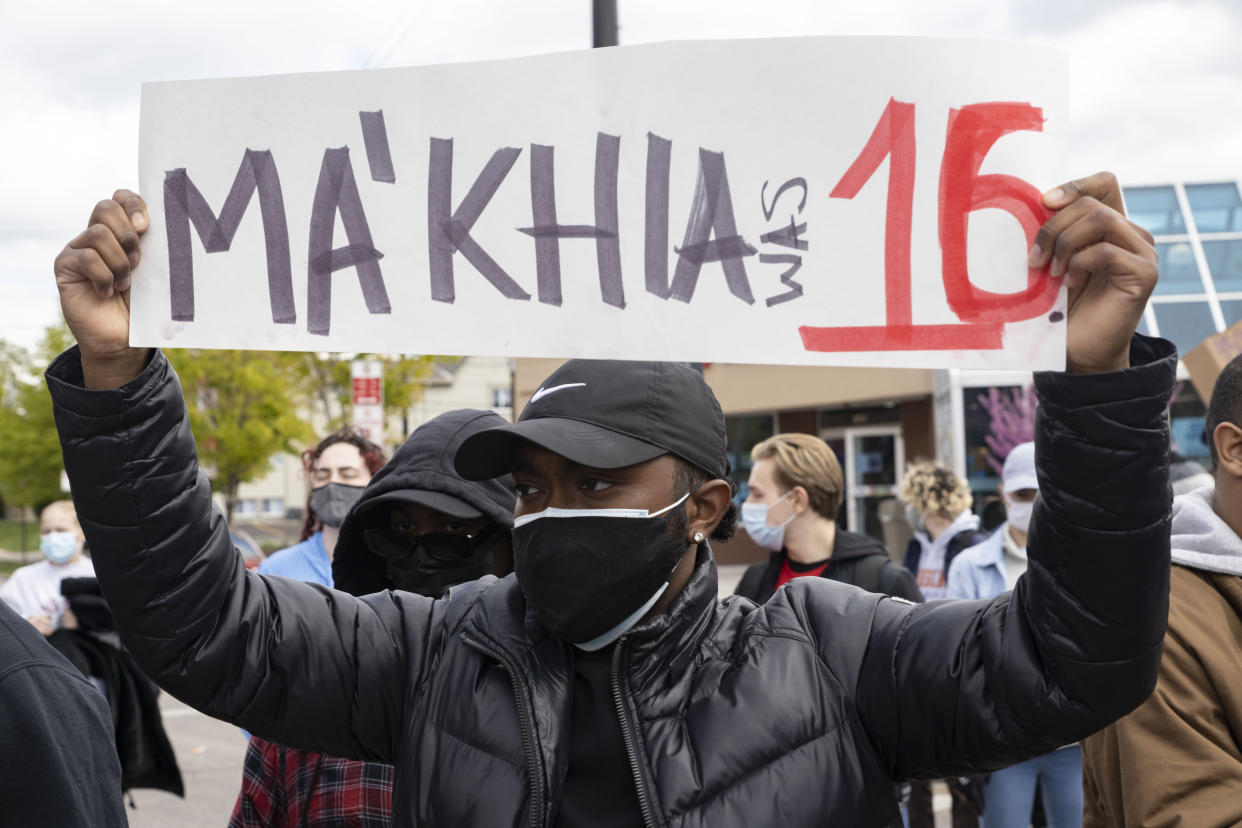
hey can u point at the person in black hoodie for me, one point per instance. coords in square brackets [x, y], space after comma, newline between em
[795, 492]
[420, 527]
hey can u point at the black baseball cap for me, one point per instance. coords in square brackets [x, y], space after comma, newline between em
[441, 502]
[609, 414]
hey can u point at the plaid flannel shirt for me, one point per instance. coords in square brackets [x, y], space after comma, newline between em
[284, 786]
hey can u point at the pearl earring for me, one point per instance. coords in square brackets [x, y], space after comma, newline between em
[699, 537]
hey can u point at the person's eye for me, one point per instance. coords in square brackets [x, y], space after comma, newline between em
[526, 489]
[596, 484]
[406, 526]
[456, 528]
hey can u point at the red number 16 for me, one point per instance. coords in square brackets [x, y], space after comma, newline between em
[972, 132]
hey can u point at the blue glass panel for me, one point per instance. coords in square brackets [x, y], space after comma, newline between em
[1178, 271]
[1231, 309]
[1186, 323]
[1224, 261]
[1217, 208]
[1156, 209]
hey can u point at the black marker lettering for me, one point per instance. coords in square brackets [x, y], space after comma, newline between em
[769, 209]
[659, 151]
[375, 138]
[548, 233]
[183, 204]
[787, 236]
[338, 191]
[795, 288]
[448, 230]
[712, 211]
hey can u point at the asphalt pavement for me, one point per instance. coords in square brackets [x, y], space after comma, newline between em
[210, 754]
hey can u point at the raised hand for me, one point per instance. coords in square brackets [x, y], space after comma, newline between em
[1109, 265]
[93, 276]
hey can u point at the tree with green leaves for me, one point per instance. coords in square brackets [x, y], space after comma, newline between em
[30, 459]
[244, 409]
[324, 383]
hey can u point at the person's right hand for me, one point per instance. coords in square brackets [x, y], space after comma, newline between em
[93, 276]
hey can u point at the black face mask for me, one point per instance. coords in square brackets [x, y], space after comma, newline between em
[590, 577]
[333, 501]
[429, 564]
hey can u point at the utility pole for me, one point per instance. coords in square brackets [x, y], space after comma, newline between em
[604, 23]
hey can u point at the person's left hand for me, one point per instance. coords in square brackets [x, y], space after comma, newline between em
[1109, 265]
[42, 622]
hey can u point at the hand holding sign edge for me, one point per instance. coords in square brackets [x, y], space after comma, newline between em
[1109, 265]
[93, 275]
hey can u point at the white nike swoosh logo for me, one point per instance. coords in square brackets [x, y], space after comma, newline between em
[543, 392]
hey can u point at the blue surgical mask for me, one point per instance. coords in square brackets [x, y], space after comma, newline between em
[59, 547]
[755, 520]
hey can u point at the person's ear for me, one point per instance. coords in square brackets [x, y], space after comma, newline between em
[801, 500]
[1227, 438]
[706, 507]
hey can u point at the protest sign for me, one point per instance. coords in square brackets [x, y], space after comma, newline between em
[850, 201]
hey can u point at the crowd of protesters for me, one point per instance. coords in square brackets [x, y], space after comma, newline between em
[518, 623]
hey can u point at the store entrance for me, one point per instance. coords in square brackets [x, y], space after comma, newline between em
[872, 458]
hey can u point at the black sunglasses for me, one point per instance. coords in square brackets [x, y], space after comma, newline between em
[448, 547]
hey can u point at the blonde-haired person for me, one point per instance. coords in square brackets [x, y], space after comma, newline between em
[34, 591]
[795, 492]
[940, 500]
[945, 525]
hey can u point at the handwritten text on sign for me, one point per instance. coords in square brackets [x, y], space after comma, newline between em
[827, 200]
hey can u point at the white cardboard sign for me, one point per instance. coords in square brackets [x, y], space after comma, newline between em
[849, 201]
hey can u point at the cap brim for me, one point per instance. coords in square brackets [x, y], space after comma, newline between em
[1020, 482]
[493, 452]
[441, 502]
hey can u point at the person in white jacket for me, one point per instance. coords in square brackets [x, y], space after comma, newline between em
[34, 591]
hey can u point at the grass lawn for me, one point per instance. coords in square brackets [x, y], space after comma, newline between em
[11, 536]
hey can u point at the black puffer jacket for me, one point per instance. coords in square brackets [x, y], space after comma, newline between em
[796, 713]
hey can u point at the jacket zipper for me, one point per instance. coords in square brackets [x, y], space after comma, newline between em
[527, 727]
[628, 735]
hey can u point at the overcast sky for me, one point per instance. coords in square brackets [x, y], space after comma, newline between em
[1156, 87]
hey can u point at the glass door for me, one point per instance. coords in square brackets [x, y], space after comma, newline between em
[872, 458]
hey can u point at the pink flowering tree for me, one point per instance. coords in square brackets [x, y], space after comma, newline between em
[1012, 412]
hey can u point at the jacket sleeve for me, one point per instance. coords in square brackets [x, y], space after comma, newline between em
[1176, 759]
[295, 662]
[960, 583]
[956, 687]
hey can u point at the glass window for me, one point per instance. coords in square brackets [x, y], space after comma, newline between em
[1231, 309]
[1224, 261]
[273, 507]
[246, 507]
[875, 460]
[1186, 414]
[502, 398]
[1185, 323]
[1178, 271]
[743, 434]
[1142, 325]
[1217, 208]
[1156, 209]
